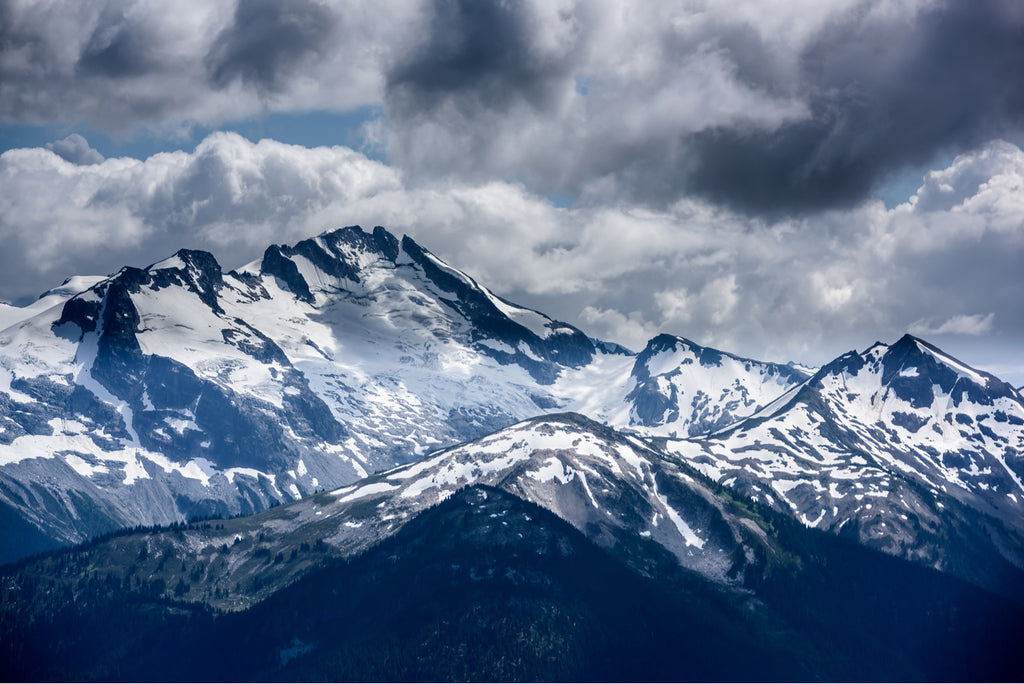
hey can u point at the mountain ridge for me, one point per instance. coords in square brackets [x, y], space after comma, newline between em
[206, 392]
[901, 446]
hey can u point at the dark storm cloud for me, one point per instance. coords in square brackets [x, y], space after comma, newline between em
[738, 107]
[105, 62]
[16, 39]
[476, 51]
[6, 21]
[267, 41]
[117, 48]
[883, 96]
[126, 66]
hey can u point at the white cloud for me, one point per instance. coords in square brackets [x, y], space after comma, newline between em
[630, 330]
[976, 324]
[994, 173]
[827, 284]
[674, 305]
[833, 289]
[230, 196]
[721, 297]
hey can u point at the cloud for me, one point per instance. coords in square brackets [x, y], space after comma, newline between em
[803, 288]
[977, 324]
[886, 90]
[486, 49]
[229, 196]
[76, 150]
[267, 41]
[995, 164]
[781, 109]
[766, 108]
[561, 96]
[120, 45]
[631, 330]
[121, 66]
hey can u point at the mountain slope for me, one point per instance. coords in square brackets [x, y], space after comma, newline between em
[903, 447]
[611, 487]
[486, 586]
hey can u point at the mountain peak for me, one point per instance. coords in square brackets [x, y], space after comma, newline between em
[329, 259]
[350, 240]
[914, 357]
[72, 286]
[184, 258]
[684, 389]
[666, 342]
[196, 269]
[888, 442]
[915, 369]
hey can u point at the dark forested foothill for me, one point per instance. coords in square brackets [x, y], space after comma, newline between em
[486, 586]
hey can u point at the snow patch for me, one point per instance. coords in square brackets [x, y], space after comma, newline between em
[689, 536]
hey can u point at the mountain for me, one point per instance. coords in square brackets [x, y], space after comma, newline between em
[681, 389]
[180, 391]
[488, 586]
[609, 486]
[554, 548]
[673, 387]
[902, 447]
[10, 315]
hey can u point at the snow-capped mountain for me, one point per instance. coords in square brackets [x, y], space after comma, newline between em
[902, 446]
[683, 389]
[610, 486]
[9, 314]
[582, 536]
[179, 390]
[672, 388]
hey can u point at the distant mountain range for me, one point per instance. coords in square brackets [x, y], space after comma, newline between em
[336, 392]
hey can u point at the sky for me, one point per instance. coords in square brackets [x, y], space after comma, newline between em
[783, 179]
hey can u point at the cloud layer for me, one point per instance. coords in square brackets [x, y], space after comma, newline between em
[778, 108]
[719, 157]
[942, 264]
[125, 65]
